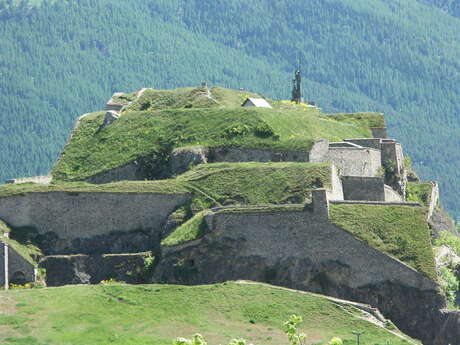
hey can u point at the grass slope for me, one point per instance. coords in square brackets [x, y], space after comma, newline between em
[119, 314]
[151, 129]
[161, 187]
[255, 183]
[419, 192]
[400, 231]
[213, 184]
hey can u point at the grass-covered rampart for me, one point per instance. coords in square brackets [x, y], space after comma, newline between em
[255, 183]
[160, 121]
[120, 314]
[399, 231]
[419, 192]
[160, 187]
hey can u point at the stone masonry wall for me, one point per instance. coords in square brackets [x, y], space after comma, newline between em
[92, 269]
[81, 223]
[355, 161]
[20, 271]
[363, 188]
[298, 249]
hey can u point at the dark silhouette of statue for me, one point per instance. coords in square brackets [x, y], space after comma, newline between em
[297, 87]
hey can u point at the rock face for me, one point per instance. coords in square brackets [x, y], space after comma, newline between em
[299, 250]
[441, 221]
[449, 328]
[92, 269]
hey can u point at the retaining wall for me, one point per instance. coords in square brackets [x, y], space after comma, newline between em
[20, 271]
[379, 132]
[353, 161]
[391, 195]
[303, 250]
[90, 223]
[363, 188]
[92, 269]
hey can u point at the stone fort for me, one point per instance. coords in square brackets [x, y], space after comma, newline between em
[84, 236]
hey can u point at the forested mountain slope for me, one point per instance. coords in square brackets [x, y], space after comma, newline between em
[449, 6]
[64, 58]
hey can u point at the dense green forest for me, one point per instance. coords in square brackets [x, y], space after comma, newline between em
[62, 58]
[449, 6]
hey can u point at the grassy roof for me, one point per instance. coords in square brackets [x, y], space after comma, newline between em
[160, 121]
[255, 183]
[121, 314]
[400, 231]
[160, 187]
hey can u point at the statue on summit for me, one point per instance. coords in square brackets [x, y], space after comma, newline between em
[297, 87]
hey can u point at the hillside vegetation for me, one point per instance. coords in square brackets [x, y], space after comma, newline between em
[119, 314]
[159, 122]
[213, 184]
[398, 57]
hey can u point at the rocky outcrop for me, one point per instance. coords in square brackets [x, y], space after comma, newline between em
[92, 269]
[183, 158]
[448, 325]
[441, 221]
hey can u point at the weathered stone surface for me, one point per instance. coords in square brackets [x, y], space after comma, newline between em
[299, 250]
[441, 221]
[319, 151]
[152, 167]
[448, 325]
[92, 269]
[110, 117]
[379, 132]
[363, 188]
[393, 162]
[231, 154]
[90, 223]
[183, 158]
[391, 195]
[20, 270]
[355, 161]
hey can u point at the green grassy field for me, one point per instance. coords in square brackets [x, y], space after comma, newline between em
[160, 121]
[119, 314]
[400, 231]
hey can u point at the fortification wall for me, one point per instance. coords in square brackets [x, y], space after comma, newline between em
[336, 192]
[392, 196]
[363, 188]
[374, 143]
[90, 223]
[129, 172]
[434, 199]
[92, 269]
[229, 154]
[20, 271]
[379, 132]
[299, 249]
[355, 161]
